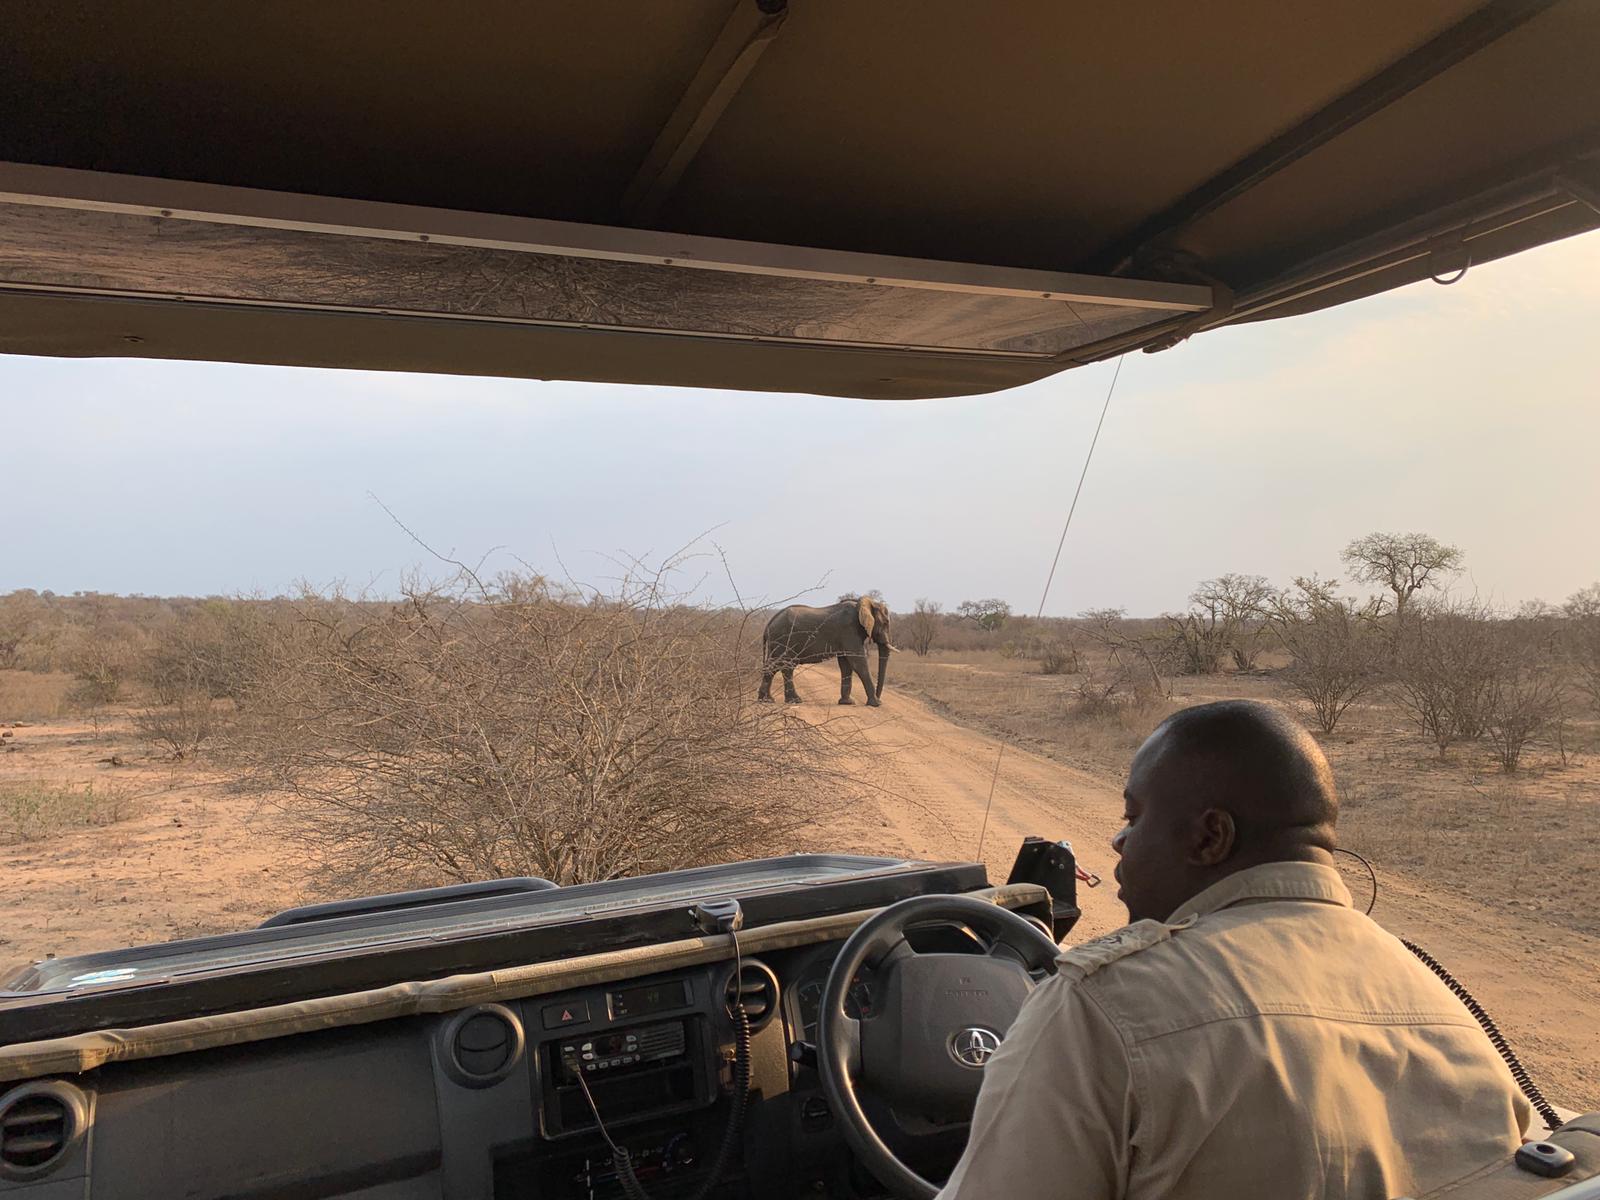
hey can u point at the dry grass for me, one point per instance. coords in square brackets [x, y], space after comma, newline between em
[33, 696]
[1009, 698]
[33, 809]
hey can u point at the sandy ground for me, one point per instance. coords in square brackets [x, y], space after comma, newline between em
[196, 860]
[200, 859]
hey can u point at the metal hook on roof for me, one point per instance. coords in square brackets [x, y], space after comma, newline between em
[1447, 259]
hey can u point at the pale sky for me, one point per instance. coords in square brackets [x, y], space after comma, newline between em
[1469, 412]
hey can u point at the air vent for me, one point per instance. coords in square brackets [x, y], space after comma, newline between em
[757, 991]
[38, 1124]
[483, 1044]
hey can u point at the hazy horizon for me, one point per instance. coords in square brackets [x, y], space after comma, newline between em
[1467, 412]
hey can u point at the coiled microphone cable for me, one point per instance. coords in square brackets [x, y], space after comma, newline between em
[622, 1159]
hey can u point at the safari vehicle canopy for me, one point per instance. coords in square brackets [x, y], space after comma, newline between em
[881, 199]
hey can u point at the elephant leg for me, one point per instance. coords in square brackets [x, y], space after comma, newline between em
[858, 663]
[844, 680]
[765, 694]
[790, 696]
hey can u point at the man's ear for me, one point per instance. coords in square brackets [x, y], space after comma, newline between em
[1213, 838]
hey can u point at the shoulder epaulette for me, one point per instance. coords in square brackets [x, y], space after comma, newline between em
[1088, 957]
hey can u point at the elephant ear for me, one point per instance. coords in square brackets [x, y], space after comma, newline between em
[864, 614]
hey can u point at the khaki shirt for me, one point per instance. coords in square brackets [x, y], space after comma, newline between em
[1266, 1041]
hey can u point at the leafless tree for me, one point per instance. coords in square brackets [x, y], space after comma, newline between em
[1402, 563]
[1331, 644]
[1242, 602]
[475, 732]
[920, 627]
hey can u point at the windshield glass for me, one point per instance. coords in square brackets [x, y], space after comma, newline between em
[279, 636]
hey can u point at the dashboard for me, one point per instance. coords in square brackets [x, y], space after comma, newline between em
[446, 1047]
[498, 1099]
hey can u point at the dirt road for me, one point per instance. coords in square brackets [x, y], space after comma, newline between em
[931, 779]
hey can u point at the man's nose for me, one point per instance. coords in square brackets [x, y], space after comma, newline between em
[1117, 839]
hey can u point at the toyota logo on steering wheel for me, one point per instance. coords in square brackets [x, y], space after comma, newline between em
[974, 1046]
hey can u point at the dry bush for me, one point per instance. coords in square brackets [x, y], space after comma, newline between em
[1197, 641]
[180, 726]
[920, 628]
[1586, 659]
[21, 614]
[1225, 621]
[1133, 656]
[1445, 663]
[1525, 703]
[32, 696]
[1242, 602]
[1058, 657]
[34, 809]
[475, 732]
[102, 654]
[1582, 640]
[207, 647]
[1332, 648]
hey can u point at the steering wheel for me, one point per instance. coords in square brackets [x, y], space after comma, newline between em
[935, 1022]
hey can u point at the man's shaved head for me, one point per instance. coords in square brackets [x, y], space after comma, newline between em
[1215, 789]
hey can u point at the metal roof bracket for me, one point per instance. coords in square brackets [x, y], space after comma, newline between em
[1176, 266]
[750, 29]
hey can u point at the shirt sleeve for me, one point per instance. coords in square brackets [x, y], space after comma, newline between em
[1054, 1115]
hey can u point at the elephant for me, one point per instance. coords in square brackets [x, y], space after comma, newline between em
[801, 634]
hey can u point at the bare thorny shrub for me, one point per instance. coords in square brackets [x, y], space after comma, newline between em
[476, 732]
[1129, 675]
[181, 726]
[1526, 703]
[207, 648]
[1445, 662]
[1582, 648]
[1465, 673]
[1332, 646]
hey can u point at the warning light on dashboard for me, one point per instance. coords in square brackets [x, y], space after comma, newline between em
[557, 1015]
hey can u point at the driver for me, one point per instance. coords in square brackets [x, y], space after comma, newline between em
[1249, 1034]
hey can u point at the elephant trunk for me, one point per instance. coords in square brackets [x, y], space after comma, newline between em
[883, 664]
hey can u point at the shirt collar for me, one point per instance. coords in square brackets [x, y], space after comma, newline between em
[1269, 881]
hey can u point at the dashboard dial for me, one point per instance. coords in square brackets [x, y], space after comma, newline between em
[857, 1003]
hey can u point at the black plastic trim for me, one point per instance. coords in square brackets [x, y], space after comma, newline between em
[397, 901]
